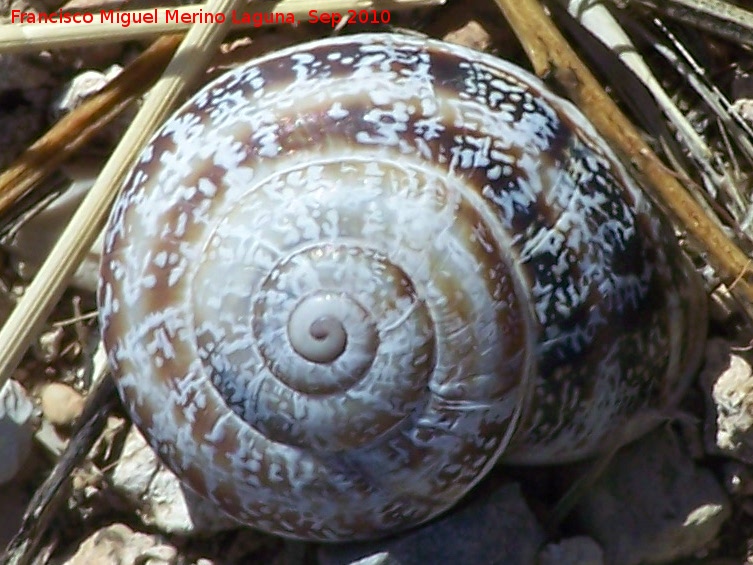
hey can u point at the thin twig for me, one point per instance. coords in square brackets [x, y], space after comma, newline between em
[595, 17]
[722, 18]
[548, 50]
[740, 130]
[78, 127]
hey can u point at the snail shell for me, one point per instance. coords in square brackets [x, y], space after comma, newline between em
[344, 279]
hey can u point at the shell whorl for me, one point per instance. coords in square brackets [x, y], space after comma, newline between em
[344, 278]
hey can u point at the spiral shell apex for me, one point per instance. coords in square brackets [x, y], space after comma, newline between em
[346, 278]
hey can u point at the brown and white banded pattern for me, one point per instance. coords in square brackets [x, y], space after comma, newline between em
[344, 278]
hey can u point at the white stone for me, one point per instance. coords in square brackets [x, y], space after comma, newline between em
[727, 380]
[162, 500]
[117, 543]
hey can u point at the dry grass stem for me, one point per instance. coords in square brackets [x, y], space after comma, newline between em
[31, 311]
[601, 23]
[78, 127]
[34, 37]
[735, 127]
[548, 50]
[722, 18]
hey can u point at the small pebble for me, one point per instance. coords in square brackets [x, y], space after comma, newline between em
[82, 87]
[61, 404]
[47, 348]
[472, 35]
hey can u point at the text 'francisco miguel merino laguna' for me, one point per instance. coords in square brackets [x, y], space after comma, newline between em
[157, 15]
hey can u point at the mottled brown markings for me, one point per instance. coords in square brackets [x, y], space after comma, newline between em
[490, 258]
[203, 169]
[226, 494]
[194, 476]
[444, 480]
[628, 258]
[627, 347]
[161, 145]
[396, 514]
[178, 414]
[621, 319]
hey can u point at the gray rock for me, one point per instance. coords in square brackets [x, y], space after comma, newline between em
[653, 504]
[17, 424]
[498, 528]
[61, 404]
[580, 550]
[30, 245]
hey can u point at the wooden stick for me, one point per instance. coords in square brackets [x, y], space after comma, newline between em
[22, 549]
[35, 305]
[21, 37]
[548, 50]
[78, 127]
